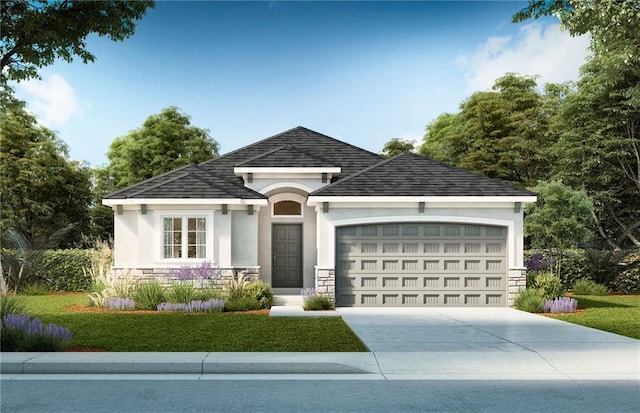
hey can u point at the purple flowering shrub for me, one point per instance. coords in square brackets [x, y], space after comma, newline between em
[117, 303]
[204, 271]
[195, 306]
[19, 332]
[561, 305]
[312, 301]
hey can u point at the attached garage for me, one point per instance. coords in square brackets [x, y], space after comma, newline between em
[421, 264]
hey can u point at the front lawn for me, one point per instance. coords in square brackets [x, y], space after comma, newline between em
[193, 332]
[618, 314]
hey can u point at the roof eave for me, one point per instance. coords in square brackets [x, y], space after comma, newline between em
[184, 201]
[314, 200]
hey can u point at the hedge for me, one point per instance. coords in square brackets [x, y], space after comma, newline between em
[62, 270]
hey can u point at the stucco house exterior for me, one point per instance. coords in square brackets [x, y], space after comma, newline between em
[301, 209]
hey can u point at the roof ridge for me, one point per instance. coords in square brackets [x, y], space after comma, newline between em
[286, 132]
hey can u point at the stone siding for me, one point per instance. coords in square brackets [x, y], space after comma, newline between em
[326, 282]
[516, 281]
[166, 276]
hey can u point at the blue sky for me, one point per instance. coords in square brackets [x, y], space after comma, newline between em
[362, 72]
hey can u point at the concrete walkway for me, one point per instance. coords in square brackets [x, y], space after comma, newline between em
[448, 344]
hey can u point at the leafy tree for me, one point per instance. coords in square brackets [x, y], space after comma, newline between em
[504, 133]
[438, 142]
[601, 123]
[559, 220]
[396, 146]
[35, 33]
[164, 142]
[41, 189]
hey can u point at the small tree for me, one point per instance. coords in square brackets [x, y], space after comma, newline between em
[559, 220]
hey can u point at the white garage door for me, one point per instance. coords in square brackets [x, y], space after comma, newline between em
[417, 264]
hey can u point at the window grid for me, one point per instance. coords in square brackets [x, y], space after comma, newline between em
[184, 237]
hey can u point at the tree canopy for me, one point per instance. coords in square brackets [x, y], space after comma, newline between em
[396, 146]
[164, 142]
[504, 133]
[35, 33]
[42, 190]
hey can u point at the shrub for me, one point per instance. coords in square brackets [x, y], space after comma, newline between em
[548, 284]
[530, 300]
[204, 271]
[241, 303]
[181, 292]
[21, 333]
[208, 293]
[588, 287]
[148, 295]
[234, 288]
[209, 306]
[62, 270]
[117, 303]
[312, 301]
[560, 305]
[108, 285]
[628, 281]
[35, 288]
[261, 292]
[582, 287]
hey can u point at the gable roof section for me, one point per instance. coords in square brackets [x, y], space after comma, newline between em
[409, 174]
[286, 156]
[191, 181]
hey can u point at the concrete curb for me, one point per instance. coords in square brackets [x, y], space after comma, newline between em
[188, 363]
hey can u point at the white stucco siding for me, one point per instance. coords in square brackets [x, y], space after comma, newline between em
[485, 215]
[267, 185]
[125, 249]
[244, 238]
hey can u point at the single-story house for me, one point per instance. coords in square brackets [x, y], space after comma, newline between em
[301, 209]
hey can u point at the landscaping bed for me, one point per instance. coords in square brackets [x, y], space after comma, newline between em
[177, 332]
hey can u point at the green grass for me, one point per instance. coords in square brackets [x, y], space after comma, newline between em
[618, 314]
[193, 332]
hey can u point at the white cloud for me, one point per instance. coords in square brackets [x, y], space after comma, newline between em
[51, 99]
[536, 50]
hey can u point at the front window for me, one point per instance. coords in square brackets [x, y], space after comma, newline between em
[185, 237]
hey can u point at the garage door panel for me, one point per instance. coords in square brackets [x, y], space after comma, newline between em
[421, 299]
[421, 265]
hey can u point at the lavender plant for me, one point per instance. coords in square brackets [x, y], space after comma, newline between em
[561, 305]
[196, 274]
[312, 301]
[19, 332]
[118, 303]
[195, 306]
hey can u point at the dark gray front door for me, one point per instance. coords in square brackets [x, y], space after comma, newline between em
[287, 256]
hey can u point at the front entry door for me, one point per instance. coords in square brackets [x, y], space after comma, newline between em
[287, 256]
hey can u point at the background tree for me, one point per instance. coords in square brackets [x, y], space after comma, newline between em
[35, 33]
[164, 142]
[559, 220]
[600, 146]
[41, 189]
[396, 146]
[504, 133]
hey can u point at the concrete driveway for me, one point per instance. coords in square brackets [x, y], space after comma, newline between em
[490, 341]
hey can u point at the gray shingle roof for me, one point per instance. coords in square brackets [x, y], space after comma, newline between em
[191, 181]
[287, 156]
[316, 147]
[409, 174]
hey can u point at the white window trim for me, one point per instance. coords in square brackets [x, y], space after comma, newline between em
[287, 196]
[159, 229]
